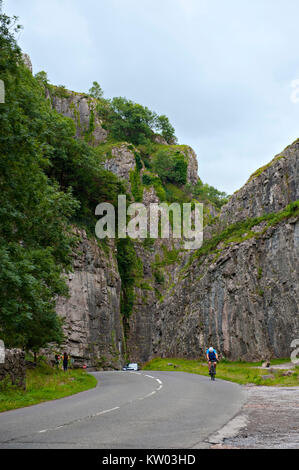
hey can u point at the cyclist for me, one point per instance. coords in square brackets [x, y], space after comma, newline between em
[212, 356]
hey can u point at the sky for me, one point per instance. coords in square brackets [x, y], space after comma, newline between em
[226, 73]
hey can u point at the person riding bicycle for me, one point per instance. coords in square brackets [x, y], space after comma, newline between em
[212, 357]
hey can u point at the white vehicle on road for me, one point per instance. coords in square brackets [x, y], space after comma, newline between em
[131, 366]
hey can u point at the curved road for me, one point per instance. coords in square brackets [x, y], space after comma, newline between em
[127, 410]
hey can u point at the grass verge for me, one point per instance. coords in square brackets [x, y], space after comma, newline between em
[239, 372]
[44, 383]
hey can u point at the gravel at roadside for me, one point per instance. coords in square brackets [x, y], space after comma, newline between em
[268, 420]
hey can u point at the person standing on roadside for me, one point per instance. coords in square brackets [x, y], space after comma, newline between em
[65, 361]
[57, 358]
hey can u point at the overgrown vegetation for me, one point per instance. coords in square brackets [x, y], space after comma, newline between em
[130, 269]
[170, 166]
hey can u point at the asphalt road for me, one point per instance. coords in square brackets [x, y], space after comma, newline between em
[127, 410]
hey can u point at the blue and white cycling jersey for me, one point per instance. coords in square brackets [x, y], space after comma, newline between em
[212, 355]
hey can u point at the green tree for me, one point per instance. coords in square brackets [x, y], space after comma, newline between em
[166, 129]
[130, 267]
[96, 91]
[130, 121]
[207, 193]
[35, 238]
[171, 166]
[42, 77]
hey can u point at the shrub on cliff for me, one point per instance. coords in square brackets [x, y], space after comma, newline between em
[171, 166]
[132, 122]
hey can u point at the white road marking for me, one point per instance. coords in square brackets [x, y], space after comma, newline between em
[149, 395]
[116, 407]
[106, 411]
[79, 420]
[155, 391]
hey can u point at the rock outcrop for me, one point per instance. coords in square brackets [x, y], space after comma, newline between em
[268, 190]
[14, 369]
[121, 162]
[91, 313]
[192, 169]
[244, 302]
[82, 109]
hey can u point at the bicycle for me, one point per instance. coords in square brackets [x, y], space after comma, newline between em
[212, 370]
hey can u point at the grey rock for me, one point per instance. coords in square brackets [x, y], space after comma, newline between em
[266, 364]
[122, 162]
[268, 191]
[14, 367]
[27, 61]
[288, 373]
[192, 169]
[82, 109]
[159, 139]
[91, 313]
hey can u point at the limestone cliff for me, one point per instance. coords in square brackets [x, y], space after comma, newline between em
[243, 301]
[91, 314]
[268, 190]
[82, 109]
[241, 295]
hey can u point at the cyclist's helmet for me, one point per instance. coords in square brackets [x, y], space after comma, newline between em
[211, 349]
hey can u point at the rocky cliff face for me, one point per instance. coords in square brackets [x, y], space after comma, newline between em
[244, 302]
[91, 313]
[268, 190]
[13, 369]
[82, 109]
[192, 170]
[241, 296]
[121, 162]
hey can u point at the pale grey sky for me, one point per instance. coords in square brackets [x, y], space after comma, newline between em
[221, 71]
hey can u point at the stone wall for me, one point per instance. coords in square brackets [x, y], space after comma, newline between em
[14, 367]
